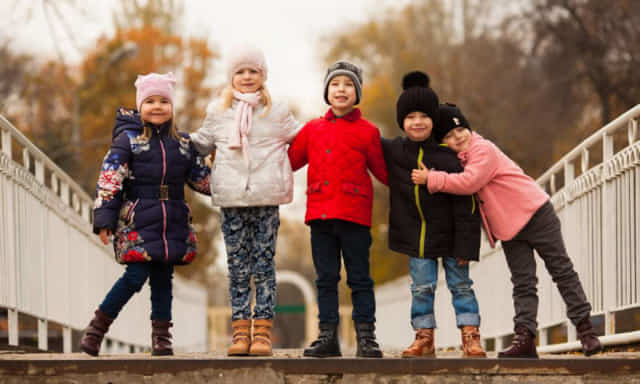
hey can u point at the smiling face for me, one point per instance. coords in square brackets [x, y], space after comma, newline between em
[418, 126]
[458, 139]
[341, 94]
[247, 80]
[156, 110]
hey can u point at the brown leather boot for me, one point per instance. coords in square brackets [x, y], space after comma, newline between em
[93, 335]
[241, 338]
[161, 338]
[471, 346]
[587, 335]
[522, 346]
[422, 346]
[261, 344]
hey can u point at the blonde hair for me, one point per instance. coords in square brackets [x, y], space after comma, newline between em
[227, 98]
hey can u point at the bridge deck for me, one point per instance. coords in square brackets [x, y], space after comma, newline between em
[290, 362]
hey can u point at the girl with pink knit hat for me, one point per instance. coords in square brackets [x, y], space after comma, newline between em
[140, 201]
[251, 177]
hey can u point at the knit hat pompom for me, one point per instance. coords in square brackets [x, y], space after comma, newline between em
[415, 79]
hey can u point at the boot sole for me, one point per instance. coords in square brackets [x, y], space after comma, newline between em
[428, 355]
[518, 357]
[594, 352]
[321, 355]
[475, 356]
[88, 351]
[154, 353]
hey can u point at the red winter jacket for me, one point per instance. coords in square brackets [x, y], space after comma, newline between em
[339, 151]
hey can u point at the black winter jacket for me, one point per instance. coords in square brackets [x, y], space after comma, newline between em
[423, 224]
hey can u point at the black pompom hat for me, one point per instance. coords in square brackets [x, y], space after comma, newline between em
[417, 96]
[450, 117]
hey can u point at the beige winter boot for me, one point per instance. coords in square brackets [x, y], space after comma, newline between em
[241, 338]
[261, 345]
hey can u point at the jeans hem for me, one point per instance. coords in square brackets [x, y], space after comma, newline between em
[424, 321]
[468, 319]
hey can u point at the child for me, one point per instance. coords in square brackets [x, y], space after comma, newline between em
[427, 226]
[518, 212]
[339, 149]
[140, 199]
[251, 178]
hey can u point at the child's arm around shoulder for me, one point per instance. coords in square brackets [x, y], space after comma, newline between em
[291, 126]
[205, 138]
[199, 175]
[480, 167]
[298, 150]
[375, 157]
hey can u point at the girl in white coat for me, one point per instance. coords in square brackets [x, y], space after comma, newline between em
[251, 177]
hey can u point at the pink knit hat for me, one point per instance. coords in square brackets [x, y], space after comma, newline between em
[246, 56]
[154, 84]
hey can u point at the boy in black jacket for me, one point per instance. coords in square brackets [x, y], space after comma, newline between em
[426, 226]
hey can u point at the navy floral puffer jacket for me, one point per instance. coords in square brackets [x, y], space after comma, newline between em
[140, 193]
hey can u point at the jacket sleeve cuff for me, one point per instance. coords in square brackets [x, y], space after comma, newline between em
[104, 218]
[436, 180]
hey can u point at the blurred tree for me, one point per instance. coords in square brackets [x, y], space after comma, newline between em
[13, 71]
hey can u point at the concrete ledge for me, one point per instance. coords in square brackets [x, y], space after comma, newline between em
[145, 365]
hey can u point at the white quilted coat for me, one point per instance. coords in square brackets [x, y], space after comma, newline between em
[268, 180]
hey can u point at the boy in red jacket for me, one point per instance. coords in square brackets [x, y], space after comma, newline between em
[339, 149]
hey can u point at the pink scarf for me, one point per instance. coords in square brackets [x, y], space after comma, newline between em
[244, 116]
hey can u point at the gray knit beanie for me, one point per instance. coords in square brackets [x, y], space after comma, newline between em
[347, 69]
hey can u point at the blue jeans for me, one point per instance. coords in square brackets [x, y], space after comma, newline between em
[424, 273]
[160, 280]
[331, 241]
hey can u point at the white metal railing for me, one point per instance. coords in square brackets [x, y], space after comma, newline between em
[600, 214]
[53, 268]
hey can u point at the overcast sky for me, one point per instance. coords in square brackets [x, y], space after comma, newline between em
[289, 31]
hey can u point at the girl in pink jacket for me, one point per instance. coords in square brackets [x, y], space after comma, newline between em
[517, 211]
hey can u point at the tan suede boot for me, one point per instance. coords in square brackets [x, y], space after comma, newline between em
[241, 338]
[422, 346]
[261, 345]
[471, 346]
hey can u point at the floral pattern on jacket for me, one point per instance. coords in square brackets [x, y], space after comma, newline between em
[128, 202]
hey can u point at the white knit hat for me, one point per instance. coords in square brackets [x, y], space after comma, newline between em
[246, 56]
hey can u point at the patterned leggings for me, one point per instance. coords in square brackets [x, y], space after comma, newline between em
[250, 238]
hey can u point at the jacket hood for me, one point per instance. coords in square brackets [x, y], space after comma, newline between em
[127, 119]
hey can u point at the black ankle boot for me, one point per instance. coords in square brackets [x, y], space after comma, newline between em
[523, 345]
[588, 337]
[327, 343]
[367, 345]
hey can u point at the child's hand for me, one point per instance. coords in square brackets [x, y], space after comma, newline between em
[104, 235]
[419, 176]
[462, 263]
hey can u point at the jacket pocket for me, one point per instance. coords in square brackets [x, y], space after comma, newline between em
[354, 189]
[127, 211]
[314, 188]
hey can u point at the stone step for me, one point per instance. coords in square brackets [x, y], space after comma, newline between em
[284, 368]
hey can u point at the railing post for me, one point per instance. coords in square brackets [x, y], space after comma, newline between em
[43, 339]
[609, 261]
[6, 142]
[66, 340]
[12, 315]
